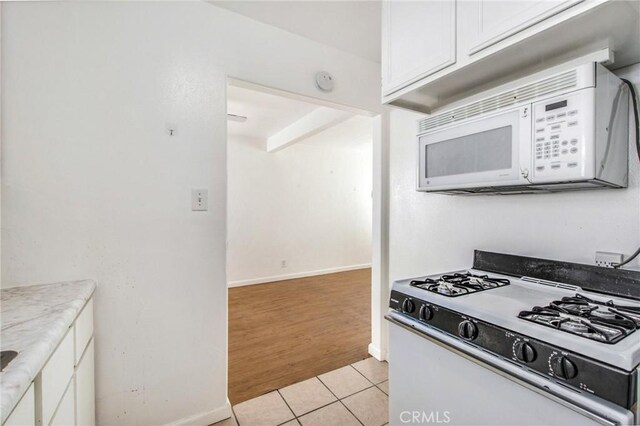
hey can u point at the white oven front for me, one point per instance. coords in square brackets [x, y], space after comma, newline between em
[435, 378]
[492, 150]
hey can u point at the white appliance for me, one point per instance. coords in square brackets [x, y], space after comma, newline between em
[508, 343]
[564, 131]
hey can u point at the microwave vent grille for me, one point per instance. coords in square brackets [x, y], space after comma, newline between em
[566, 80]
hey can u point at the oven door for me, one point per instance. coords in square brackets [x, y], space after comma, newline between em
[491, 151]
[437, 378]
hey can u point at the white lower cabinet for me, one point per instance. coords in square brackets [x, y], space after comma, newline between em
[25, 412]
[85, 389]
[54, 378]
[63, 392]
[65, 415]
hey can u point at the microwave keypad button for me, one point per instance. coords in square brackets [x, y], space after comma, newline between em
[572, 123]
[546, 156]
[564, 143]
[538, 157]
[540, 139]
[539, 120]
[565, 151]
[555, 154]
[560, 115]
[555, 166]
[555, 127]
[554, 137]
[574, 141]
[540, 168]
[572, 113]
[550, 117]
[574, 150]
[574, 164]
[540, 130]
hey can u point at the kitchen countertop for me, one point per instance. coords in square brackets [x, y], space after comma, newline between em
[34, 320]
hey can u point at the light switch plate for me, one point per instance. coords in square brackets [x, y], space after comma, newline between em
[199, 200]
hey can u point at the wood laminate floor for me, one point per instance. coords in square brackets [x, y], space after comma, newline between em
[284, 332]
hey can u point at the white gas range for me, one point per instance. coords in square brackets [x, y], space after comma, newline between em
[484, 347]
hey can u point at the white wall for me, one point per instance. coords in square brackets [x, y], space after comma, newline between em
[93, 186]
[308, 204]
[435, 233]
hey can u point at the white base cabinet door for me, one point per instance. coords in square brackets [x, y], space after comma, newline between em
[25, 412]
[418, 39]
[65, 414]
[85, 389]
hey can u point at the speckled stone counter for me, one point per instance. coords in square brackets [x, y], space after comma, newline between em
[34, 320]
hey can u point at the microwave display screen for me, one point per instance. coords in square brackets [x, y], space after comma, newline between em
[477, 152]
[555, 105]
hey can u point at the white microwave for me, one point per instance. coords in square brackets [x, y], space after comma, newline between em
[566, 131]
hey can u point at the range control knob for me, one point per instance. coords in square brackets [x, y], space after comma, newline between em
[563, 367]
[525, 352]
[426, 313]
[408, 306]
[467, 330]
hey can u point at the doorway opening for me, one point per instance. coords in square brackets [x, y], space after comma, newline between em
[299, 225]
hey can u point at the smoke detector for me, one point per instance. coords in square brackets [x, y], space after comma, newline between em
[324, 81]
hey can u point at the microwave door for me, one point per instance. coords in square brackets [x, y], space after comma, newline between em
[487, 152]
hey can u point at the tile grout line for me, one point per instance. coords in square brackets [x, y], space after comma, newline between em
[233, 414]
[288, 406]
[315, 409]
[369, 380]
[343, 404]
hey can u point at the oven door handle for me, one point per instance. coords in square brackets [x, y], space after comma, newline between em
[602, 411]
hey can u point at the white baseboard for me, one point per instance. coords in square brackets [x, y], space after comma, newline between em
[207, 418]
[375, 352]
[263, 280]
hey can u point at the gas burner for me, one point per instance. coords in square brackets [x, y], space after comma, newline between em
[604, 322]
[459, 284]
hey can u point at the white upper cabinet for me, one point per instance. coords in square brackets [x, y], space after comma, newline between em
[419, 38]
[437, 52]
[483, 23]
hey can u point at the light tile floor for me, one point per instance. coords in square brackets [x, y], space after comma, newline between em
[349, 396]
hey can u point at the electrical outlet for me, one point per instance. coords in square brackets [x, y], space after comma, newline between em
[283, 264]
[607, 260]
[199, 200]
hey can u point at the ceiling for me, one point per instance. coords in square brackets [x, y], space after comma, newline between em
[352, 26]
[267, 114]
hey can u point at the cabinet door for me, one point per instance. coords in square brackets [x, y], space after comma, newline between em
[65, 414]
[25, 412]
[484, 23]
[85, 389]
[54, 378]
[418, 40]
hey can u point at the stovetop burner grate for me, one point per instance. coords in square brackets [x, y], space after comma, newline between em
[459, 284]
[603, 322]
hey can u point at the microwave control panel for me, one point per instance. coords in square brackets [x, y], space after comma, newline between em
[560, 137]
